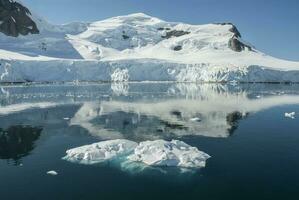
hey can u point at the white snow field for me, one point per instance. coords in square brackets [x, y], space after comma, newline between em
[136, 47]
[152, 153]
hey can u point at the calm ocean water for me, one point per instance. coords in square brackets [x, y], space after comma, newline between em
[253, 146]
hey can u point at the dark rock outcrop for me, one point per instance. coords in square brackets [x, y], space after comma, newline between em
[125, 37]
[15, 19]
[177, 48]
[162, 29]
[233, 29]
[175, 33]
[236, 45]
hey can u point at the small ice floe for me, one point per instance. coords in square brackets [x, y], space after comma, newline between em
[290, 115]
[101, 151]
[52, 173]
[169, 154]
[195, 119]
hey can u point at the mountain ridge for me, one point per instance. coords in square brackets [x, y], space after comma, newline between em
[123, 48]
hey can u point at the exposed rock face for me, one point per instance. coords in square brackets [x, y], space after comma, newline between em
[177, 48]
[175, 33]
[125, 37]
[234, 43]
[233, 29]
[162, 29]
[15, 19]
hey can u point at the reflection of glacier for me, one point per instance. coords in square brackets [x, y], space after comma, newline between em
[120, 88]
[17, 142]
[141, 110]
[84, 117]
[209, 111]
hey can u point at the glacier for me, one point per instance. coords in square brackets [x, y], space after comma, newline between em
[137, 47]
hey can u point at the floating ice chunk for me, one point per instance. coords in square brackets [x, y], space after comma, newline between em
[163, 153]
[101, 151]
[195, 119]
[290, 115]
[149, 153]
[53, 173]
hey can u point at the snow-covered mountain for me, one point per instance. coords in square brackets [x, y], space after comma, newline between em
[137, 47]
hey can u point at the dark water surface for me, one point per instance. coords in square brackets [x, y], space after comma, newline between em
[254, 148]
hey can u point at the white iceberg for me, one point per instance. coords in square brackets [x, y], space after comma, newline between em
[52, 173]
[101, 151]
[290, 115]
[170, 154]
[195, 119]
[149, 153]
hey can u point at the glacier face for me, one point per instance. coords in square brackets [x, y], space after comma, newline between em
[138, 47]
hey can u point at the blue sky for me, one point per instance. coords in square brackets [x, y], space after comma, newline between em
[271, 25]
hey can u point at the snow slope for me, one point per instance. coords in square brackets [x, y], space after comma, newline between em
[136, 47]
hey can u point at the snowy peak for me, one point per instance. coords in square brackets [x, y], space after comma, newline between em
[135, 47]
[135, 18]
[144, 34]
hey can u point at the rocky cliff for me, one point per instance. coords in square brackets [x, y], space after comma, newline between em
[15, 19]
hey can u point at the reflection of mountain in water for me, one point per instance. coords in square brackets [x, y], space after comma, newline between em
[183, 110]
[169, 119]
[143, 110]
[17, 142]
[137, 126]
[233, 119]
